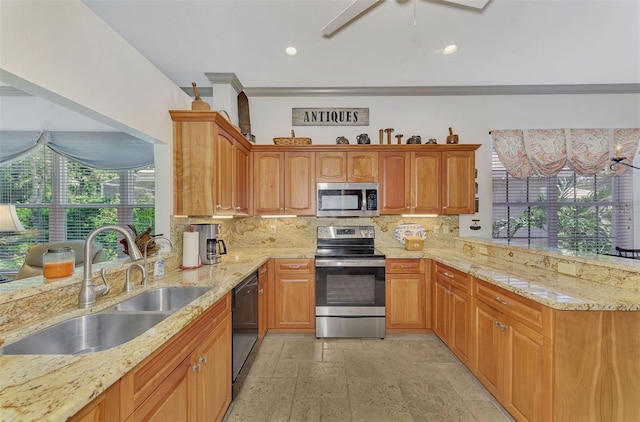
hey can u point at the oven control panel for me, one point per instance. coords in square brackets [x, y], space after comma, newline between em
[346, 232]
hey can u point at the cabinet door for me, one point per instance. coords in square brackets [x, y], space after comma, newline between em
[104, 408]
[194, 168]
[461, 339]
[528, 387]
[172, 401]
[458, 184]
[362, 166]
[405, 299]
[489, 343]
[441, 303]
[331, 167]
[395, 176]
[211, 364]
[426, 183]
[294, 294]
[243, 181]
[268, 183]
[225, 174]
[300, 185]
[263, 311]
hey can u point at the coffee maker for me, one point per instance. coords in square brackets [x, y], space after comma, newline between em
[211, 246]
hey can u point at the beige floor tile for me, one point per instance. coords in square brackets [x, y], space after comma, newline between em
[332, 355]
[401, 369]
[434, 400]
[466, 385]
[321, 370]
[377, 400]
[285, 369]
[342, 343]
[321, 388]
[486, 411]
[335, 410]
[263, 399]
[363, 364]
[305, 410]
[302, 349]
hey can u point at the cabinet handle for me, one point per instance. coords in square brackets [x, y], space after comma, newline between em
[261, 291]
[263, 271]
[405, 266]
[448, 292]
[293, 267]
[501, 326]
[203, 359]
[448, 275]
[504, 302]
[218, 206]
[238, 208]
[196, 368]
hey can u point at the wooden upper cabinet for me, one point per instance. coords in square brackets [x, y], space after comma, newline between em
[426, 182]
[299, 183]
[458, 183]
[226, 174]
[243, 181]
[206, 177]
[268, 183]
[362, 166]
[395, 182]
[331, 167]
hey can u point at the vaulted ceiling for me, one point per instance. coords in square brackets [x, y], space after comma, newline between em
[510, 42]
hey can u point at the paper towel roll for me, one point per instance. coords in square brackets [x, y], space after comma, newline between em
[190, 253]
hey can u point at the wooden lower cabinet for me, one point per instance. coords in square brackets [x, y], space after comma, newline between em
[263, 300]
[452, 311]
[294, 290]
[189, 379]
[104, 408]
[405, 294]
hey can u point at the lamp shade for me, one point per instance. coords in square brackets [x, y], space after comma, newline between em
[9, 221]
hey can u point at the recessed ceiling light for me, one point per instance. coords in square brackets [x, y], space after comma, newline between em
[292, 51]
[450, 49]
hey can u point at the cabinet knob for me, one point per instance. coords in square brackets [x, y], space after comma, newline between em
[261, 291]
[218, 206]
[203, 359]
[448, 292]
[448, 275]
[501, 326]
[263, 271]
[196, 368]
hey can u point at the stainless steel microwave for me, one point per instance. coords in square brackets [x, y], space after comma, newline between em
[348, 200]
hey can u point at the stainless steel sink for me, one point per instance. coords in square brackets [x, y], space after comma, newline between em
[167, 299]
[85, 334]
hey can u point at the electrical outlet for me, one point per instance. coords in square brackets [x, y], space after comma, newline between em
[567, 268]
[482, 250]
[272, 229]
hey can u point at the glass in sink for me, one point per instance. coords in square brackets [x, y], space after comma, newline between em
[166, 299]
[85, 334]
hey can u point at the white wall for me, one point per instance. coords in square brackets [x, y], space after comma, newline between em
[62, 52]
[472, 117]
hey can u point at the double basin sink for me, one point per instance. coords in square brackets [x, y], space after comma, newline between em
[109, 328]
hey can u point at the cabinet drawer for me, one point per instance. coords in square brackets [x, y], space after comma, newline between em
[455, 277]
[405, 266]
[532, 314]
[294, 266]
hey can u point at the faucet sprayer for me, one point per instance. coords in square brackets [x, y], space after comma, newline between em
[88, 292]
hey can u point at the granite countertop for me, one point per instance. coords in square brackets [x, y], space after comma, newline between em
[553, 289]
[55, 387]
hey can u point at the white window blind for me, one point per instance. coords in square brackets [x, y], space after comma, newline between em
[566, 211]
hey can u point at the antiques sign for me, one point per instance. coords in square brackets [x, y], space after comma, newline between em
[330, 116]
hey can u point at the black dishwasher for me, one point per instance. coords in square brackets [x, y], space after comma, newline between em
[244, 328]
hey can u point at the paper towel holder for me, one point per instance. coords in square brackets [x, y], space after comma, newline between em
[197, 249]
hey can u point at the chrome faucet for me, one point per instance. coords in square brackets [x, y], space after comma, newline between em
[88, 292]
[128, 284]
[146, 244]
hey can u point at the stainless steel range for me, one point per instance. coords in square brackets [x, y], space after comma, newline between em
[350, 283]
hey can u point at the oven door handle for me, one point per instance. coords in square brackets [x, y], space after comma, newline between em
[337, 262]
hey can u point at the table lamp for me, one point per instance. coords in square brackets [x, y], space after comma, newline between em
[9, 221]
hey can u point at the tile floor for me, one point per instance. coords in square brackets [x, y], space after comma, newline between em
[402, 378]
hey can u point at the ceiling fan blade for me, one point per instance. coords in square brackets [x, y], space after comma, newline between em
[476, 4]
[352, 11]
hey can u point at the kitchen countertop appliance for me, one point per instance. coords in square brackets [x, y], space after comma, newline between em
[350, 283]
[210, 244]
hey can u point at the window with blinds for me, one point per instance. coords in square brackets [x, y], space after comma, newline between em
[567, 211]
[58, 199]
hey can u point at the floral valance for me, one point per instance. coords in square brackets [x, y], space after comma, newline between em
[544, 152]
[102, 150]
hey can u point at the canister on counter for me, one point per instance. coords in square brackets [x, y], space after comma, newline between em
[58, 262]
